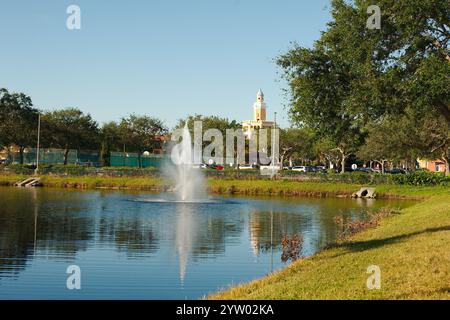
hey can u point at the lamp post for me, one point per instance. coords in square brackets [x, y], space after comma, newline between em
[273, 139]
[271, 241]
[38, 143]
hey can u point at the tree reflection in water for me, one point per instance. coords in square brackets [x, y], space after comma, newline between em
[111, 230]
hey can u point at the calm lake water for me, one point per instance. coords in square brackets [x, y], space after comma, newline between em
[129, 247]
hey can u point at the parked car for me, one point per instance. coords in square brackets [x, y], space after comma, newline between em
[246, 167]
[396, 171]
[269, 170]
[365, 170]
[317, 169]
[300, 168]
[215, 167]
[200, 166]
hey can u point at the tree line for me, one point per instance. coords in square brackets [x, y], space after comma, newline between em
[389, 141]
[70, 128]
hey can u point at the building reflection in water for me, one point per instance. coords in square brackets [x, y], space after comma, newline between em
[267, 229]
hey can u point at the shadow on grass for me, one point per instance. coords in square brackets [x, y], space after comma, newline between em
[358, 246]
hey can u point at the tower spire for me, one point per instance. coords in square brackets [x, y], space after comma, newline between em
[259, 115]
[260, 96]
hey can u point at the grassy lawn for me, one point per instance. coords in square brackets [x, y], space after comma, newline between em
[144, 183]
[9, 179]
[304, 188]
[233, 186]
[91, 182]
[412, 250]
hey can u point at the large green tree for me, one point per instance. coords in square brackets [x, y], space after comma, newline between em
[111, 140]
[392, 139]
[326, 152]
[434, 135]
[142, 133]
[320, 84]
[405, 64]
[18, 121]
[407, 137]
[297, 144]
[210, 122]
[353, 76]
[69, 129]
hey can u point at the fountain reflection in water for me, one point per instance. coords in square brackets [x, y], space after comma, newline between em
[184, 237]
[189, 181]
[189, 188]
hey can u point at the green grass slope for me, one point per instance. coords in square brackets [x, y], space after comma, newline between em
[412, 250]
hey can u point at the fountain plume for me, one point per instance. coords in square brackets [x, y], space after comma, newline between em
[189, 181]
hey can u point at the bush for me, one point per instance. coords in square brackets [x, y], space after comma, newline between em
[421, 178]
[349, 226]
[348, 177]
[418, 178]
[230, 174]
[18, 169]
[359, 178]
[78, 170]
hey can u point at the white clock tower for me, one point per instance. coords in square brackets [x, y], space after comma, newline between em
[259, 115]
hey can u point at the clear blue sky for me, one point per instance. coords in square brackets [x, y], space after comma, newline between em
[164, 58]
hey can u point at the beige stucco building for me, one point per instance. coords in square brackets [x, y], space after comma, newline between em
[259, 115]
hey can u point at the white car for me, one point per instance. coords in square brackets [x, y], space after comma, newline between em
[299, 168]
[269, 170]
[200, 166]
[246, 167]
